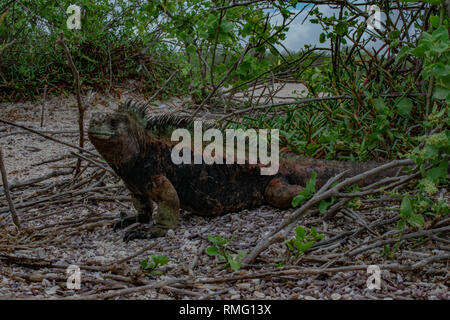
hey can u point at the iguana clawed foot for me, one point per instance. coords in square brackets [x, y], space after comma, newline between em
[125, 220]
[137, 234]
[144, 233]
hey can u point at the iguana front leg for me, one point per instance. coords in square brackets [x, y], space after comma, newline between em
[164, 194]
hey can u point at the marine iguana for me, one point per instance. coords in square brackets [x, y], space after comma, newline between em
[137, 146]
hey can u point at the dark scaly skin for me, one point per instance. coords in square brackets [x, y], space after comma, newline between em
[141, 156]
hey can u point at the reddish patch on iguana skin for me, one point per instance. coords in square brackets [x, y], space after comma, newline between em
[279, 193]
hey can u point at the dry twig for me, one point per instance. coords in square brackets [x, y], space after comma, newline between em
[7, 194]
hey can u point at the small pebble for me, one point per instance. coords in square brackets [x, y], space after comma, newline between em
[336, 296]
[232, 291]
[244, 285]
[51, 290]
[170, 233]
[45, 283]
[41, 253]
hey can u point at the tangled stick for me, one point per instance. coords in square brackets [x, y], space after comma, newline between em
[81, 108]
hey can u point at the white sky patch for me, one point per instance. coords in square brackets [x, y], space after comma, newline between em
[307, 33]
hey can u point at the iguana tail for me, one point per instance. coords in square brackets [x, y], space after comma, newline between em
[298, 170]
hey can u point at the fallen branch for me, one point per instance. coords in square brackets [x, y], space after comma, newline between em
[95, 163]
[380, 243]
[135, 254]
[15, 218]
[101, 296]
[39, 179]
[47, 137]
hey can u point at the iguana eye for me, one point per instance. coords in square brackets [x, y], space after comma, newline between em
[114, 123]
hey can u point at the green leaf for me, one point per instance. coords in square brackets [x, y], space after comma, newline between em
[144, 264]
[434, 20]
[241, 254]
[435, 2]
[394, 34]
[308, 245]
[298, 199]
[313, 231]
[160, 259]
[416, 220]
[311, 184]
[434, 174]
[212, 250]
[226, 27]
[235, 265]
[157, 272]
[405, 50]
[212, 238]
[298, 245]
[307, 192]
[289, 245]
[430, 152]
[441, 47]
[322, 38]
[379, 105]
[386, 250]
[323, 205]
[441, 93]
[222, 242]
[404, 106]
[221, 68]
[406, 209]
[440, 34]
[421, 50]
[342, 28]
[190, 49]
[401, 224]
[300, 231]
[441, 70]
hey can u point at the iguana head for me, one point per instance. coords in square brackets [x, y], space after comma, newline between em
[116, 136]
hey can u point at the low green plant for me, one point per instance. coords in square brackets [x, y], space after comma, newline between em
[307, 192]
[220, 250]
[150, 264]
[408, 215]
[433, 161]
[390, 252]
[413, 210]
[303, 240]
